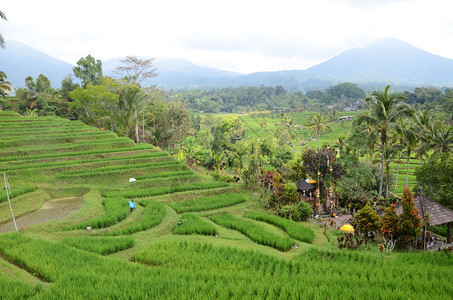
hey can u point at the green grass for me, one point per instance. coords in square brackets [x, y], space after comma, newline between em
[99, 245]
[194, 224]
[295, 230]
[76, 153]
[164, 174]
[255, 232]
[165, 190]
[82, 162]
[208, 203]
[117, 168]
[14, 289]
[116, 210]
[15, 192]
[154, 212]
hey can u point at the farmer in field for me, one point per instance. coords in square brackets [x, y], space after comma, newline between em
[132, 204]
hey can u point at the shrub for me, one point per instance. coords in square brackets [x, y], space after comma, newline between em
[300, 211]
[389, 227]
[366, 221]
[410, 224]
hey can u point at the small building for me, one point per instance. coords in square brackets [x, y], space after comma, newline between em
[304, 188]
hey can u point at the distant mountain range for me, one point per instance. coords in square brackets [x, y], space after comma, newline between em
[387, 61]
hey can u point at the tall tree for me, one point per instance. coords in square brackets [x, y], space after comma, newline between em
[132, 101]
[4, 85]
[318, 124]
[37, 90]
[385, 111]
[95, 105]
[436, 179]
[89, 70]
[2, 40]
[442, 140]
[134, 69]
[67, 85]
[392, 152]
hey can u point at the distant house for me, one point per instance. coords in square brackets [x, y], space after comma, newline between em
[282, 110]
[345, 118]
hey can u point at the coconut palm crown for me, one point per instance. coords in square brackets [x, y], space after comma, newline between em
[385, 111]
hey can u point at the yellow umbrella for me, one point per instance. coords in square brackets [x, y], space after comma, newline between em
[347, 227]
[312, 181]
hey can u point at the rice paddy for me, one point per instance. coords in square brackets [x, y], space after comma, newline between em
[189, 237]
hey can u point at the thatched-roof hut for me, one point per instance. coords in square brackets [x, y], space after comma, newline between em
[302, 185]
[304, 188]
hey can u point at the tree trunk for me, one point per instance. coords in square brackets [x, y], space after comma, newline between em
[114, 121]
[449, 233]
[407, 169]
[143, 125]
[137, 138]
[396, 179]
[319, 142]
[381, 179]
[388, 182]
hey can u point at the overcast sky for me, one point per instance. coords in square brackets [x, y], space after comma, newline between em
[243, 36]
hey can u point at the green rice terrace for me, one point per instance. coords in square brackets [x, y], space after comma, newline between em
[189, 237]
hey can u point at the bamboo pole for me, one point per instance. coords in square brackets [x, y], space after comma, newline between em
[7, 188]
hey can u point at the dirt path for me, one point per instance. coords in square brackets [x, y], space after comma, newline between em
[55, 209]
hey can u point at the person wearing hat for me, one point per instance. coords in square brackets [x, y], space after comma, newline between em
[132, 204]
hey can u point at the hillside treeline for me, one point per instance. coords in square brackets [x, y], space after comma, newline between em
[343, 96]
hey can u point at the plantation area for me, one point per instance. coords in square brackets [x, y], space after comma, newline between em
[190, 236]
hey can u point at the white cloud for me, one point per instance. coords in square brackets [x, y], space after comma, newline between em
[237, 35]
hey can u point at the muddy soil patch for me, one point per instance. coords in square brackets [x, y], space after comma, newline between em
[52, 210]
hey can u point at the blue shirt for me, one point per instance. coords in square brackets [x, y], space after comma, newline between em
[131, 204]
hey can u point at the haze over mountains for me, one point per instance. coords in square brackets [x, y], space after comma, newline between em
[387, 61]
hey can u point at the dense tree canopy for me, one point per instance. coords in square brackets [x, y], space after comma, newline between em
[89, 70]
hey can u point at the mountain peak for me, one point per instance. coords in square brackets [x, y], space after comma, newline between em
[387, 60]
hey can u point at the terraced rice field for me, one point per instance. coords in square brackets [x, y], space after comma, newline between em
[401, 179]
[189, 237]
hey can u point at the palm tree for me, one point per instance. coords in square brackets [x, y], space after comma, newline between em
[318, 124]
[391, 153]
[132, 100]
[385, 111]
[340, 144]
[2, 41]
[4, 85]
[442, 140]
